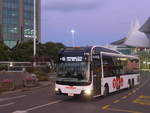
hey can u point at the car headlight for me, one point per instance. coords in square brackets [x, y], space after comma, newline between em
[88, 92]
[56, 89]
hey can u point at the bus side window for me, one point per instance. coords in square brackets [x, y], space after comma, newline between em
[133, 66]
[108, 66]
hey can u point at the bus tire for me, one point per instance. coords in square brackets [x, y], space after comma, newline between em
[130, 84]
[106, 90]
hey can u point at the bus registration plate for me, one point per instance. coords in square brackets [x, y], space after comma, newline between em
[70, 94]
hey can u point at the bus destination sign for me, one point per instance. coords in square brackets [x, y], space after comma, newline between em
[72, 59]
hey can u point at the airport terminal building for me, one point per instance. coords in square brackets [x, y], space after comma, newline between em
[17, 21]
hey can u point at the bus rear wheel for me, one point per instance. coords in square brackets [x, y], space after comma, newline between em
[130, 84]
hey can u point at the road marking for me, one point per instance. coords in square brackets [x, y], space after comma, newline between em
[20, 112]
[145, 97]
[4, 105]
[105, 107]
[134, 91]
[122, 110]
[129, 94]
[10, 98]
[116, 101]
[144, 83]
[38, 107]
[144, 100]
[124, 97]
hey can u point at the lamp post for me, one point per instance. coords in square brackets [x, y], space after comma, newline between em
[34, 42]
[73, 37]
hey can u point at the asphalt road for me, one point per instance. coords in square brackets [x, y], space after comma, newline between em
[43, 100]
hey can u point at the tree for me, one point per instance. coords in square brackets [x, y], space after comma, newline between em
[23, 52]
[4, 52]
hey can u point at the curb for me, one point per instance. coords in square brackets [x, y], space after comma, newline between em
[24, 89]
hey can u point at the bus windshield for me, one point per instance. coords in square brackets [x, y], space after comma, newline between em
[73, 72]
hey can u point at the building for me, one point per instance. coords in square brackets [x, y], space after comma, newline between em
[146, 28]
[17, 21]
[138, 39]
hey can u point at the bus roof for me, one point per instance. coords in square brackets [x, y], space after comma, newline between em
[88, 49]
[68, 51]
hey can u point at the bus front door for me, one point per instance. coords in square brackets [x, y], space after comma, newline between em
[97, 84]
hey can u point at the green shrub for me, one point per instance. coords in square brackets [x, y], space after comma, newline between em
[41, 76]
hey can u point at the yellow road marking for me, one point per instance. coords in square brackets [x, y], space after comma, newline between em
[105, 107]
[122, 110]
[129, 93]
[144, 100]
[144, 97]
[141, 102]
[124, 97]
[116, 101]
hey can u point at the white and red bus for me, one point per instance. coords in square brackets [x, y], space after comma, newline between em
[95, 71]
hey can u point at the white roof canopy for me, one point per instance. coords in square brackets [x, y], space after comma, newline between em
[136, 38]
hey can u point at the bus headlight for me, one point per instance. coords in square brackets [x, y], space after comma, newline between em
[88, 92]
[56, 89]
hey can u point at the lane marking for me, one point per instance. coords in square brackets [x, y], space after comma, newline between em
[129, 94]
[144, 100]
[144, 97]
[10, 98]
[116, 101]
[38, 107]
[124, 97]
[144, 83]
[4, 105]
[122, 110]
[134, 91]
[105, 107]
[20, 112]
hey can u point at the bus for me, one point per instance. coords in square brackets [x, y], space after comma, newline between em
[95, 71]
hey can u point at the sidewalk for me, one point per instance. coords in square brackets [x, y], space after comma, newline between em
[41, 84]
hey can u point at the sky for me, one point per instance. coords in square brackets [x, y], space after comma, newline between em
[96, 22]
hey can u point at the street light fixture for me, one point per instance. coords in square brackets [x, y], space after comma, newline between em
[34, 48]
[73, 38]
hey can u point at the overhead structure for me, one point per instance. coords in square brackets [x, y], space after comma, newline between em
[136, 38]
[146, 28]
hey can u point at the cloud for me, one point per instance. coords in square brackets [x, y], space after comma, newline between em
[70, 5]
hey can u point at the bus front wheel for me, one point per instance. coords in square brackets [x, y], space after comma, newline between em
[106, 90]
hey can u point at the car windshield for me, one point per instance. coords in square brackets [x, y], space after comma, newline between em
[73, 71]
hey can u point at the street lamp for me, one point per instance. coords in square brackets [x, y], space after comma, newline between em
[34, 48]
[73, 38]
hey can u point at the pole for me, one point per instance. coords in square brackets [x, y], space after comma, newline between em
[73, 37]
[34, 48]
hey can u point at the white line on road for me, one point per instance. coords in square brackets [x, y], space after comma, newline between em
[44, 105]
[38, 107]
[20, 112]
[4, 105]
[10, 98]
